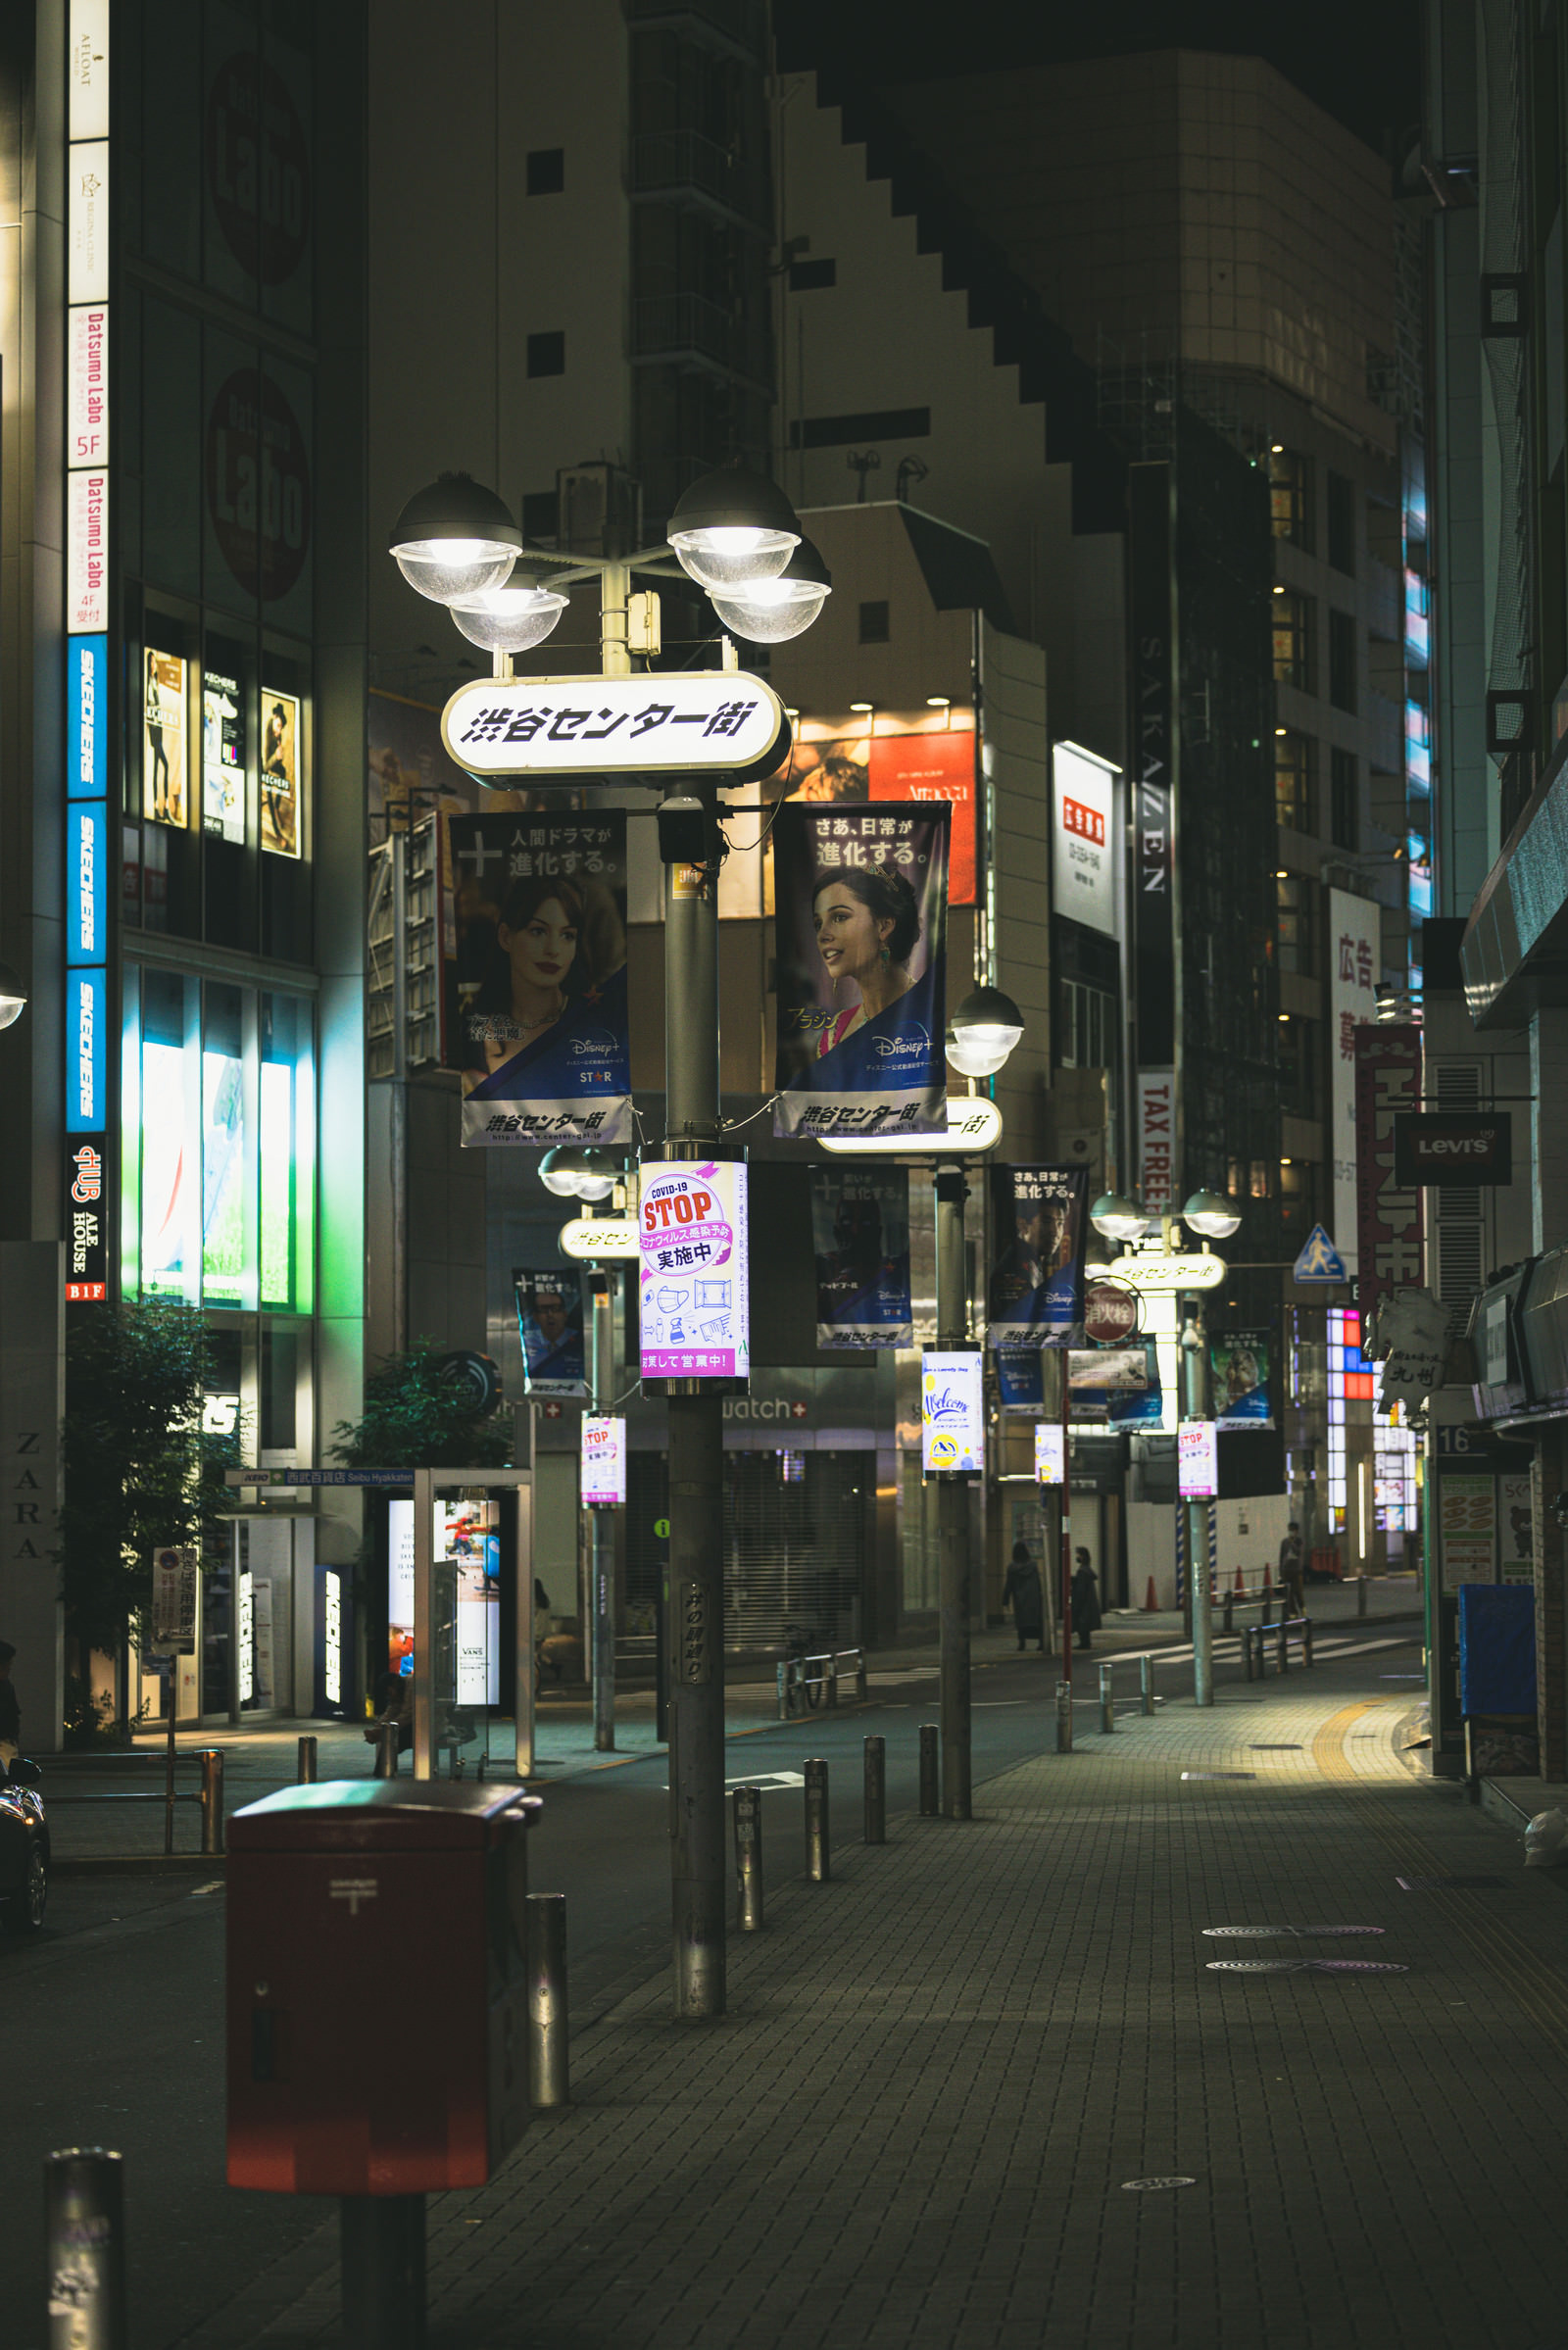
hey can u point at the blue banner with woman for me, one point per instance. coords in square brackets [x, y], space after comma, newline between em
[861, 906]
[540, 1029]
[861, 1239]
[1040, 1223]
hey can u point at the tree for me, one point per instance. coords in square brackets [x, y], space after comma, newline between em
[416, 1418]
[139, 1471]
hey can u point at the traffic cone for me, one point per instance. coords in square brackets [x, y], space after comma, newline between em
[1150, 1604]
[1241, 1584]
[1268, 1580]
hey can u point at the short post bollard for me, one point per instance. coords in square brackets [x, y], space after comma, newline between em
[830, 1674]
[1230, 1604]
[1306, 1641]
[1107, 1701]
[307, 1769]
[1064, 1717]
[547, 2082]
[817, 1858]
[1146, 1682]
[386, 1750]
[930, 1790]
[212, 1799]
[1246, 1650]
[382, 2239]
[783, 1692]
[1284, 1646]
[85, 2206]
[748, 1803]
[876, 1791]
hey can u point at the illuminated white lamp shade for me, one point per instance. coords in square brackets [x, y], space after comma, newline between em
[1116, 1217]
[509, 619]
[1212, 1215]
[984, 1030]
[454, 539]
[769, 612]
[13, 997]
[598, 1174]
[558, 1172]
[733, 528]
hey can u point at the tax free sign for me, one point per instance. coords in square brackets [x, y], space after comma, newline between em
[673, 723]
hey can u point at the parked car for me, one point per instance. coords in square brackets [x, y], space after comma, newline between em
[23, 1848]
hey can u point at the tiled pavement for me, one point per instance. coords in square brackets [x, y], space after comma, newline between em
[938, 2071]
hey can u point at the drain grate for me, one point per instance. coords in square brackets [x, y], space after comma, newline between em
[1284, 1746]
[1261, 1933]
[1435, 1884]
[1154, 2186]
[1401, 1677]
[1303, 1965]
[1219, 1774]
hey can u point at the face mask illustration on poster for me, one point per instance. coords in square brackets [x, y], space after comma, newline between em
[861, 1240]
[693, 1294]
[1037, 1283]
[549, 1326]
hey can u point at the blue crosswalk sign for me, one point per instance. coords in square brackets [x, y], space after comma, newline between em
[1319, 1260]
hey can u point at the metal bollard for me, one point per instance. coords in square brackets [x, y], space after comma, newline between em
[1107, 1701]
[1230, 1604]
[383, 2247]
[1064, 1717]
[1146, 1682]
[212, 1799]
[85, 2206]
[876, 1791]
[386, 1752]
[307, 1765]
[930, 1782]
[1284, 1646]
[1247, 1649]
[783, 1692]
[1306, 1641]
[830, 1675]
[818, 1866]
[547, 2082]
[748, 1859]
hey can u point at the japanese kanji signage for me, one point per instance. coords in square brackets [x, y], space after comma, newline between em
[693, 1298]
[1355, 954]
[1388, 1081]
[602, 1469]
[539, 1028]
[173, 1610]
[588, 726]
[1039, 1219]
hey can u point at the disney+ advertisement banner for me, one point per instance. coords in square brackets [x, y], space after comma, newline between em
[860, 898]
[1239, 1363]
[860, 1241]
[541, 1035]
[1040, 1218]
[550, 1328]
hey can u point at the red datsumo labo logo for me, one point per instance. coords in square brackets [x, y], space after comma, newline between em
[1434, 1148]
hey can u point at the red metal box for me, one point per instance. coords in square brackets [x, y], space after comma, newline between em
[377, 1987]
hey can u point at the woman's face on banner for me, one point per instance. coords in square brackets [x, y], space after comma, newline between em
[849, 938]
[542, 950]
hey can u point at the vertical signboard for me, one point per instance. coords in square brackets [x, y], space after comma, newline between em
[1151, 733]
[1086, 839]
[1388, 1082]
[952, 1436]
[1197, 1460]
[1040, 1225]
[1051, 1452]
[693, 1299]
[1157, 1140]
[1355, 957]
[604, 1461]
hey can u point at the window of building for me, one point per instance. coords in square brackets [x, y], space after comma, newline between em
[1340, 504]
[1296, 898]
[1344, 650]
[874, 622]
[1345, 799]
[547, 354]
[547, 170]
[1298, 1049]
[1294, 781]
[1299, 1198]
[810, 276]
[541, 517]
[1295, 629]
[1085, 1026]
[1290, 481]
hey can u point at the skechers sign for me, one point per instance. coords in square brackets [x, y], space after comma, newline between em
[952, 1415]
[1434, 1147]
[86, 880]
[675, 722]
[84, 1051]
[86, 717]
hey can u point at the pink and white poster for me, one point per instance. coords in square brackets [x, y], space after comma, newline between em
[693, 1299]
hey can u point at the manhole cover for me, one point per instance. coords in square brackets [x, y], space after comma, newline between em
[1219, 1774]
[1285, 1746]
[1434, 1884]
[1261, 1933]
[1152, 2187]
[1303, 1965]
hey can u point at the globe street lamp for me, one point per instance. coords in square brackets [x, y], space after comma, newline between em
[769, 612]
[983, 1032]
[1212, 1215]
[13, 997]
[1116, 1217]
[454, 539]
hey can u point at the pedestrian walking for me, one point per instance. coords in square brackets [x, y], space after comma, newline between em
[1022, 1593]
[1085, 1599]
[1291, 1574]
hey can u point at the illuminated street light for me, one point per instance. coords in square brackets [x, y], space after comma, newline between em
[1116, 1217]
[511, 618]
[1212, 1215]
[983, 1032]
[732, 529]
[454, 539]
[13, 997]
[769, 612]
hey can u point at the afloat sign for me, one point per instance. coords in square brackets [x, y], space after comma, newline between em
[673, 723]
[952, 1416]
[693, 1298]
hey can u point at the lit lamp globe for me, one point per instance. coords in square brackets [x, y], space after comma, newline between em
[13, 997]
[560, 1171]
[733, 528]
[769, 612]
[1212, 1215]
[598, 1175]
[454, 539]
[983, 1032]
[1116, 1217]
[510, 619]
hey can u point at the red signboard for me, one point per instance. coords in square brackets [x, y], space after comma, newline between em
[933, 767]
[1388, 1087]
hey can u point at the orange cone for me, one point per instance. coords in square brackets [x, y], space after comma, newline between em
[1268, 1580]
[1150, 1604]
[1241, 1583]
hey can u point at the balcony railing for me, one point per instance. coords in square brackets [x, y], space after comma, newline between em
[684, 164]
[689, 328]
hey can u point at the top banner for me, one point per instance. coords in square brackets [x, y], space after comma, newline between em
[861, 899]
[580, 728]
[1037, 1283]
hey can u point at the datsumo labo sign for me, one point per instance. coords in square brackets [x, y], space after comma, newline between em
[716, 720]
[951, 1414]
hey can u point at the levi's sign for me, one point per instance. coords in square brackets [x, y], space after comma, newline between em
[1440, 1147]
[669, 724]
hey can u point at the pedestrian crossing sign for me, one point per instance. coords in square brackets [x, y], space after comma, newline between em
[1319, 1260]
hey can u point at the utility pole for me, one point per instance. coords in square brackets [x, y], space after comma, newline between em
[953, 1510]
[601, 1521]
[1195, 1406]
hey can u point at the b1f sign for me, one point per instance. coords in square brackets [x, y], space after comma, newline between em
[952, 1440]
[1051, 1452]
[693, 1294]
[1198, 1460]
[604, 1461]
[1085, 848]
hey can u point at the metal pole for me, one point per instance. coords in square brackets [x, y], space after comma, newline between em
[306, 1774]
[1064, 1717]
[602, 1532]
[523, 1665]
[930, 1772]
[398, 1139]
[547, 2082]
[876, 1791]
[1194, 1385]
[953, 1512]
[386, 1750]
[1285, 1654]
[1146, 1682]
[748, 1803]
[698, 1859]
[818, 1863]
[1306, 1641]
[383, 2272]
[1107, 1701]
[84, 2208]
[424, 1627]
[212, 1799]
[169, 1759]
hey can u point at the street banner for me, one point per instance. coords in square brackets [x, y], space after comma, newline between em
[861, 1240]
[1020, 1378]
[541, 1037]
[693, 1298]
[1116, 1384]
[1355, 962]
[1197, 1460]
[1051, 1452]
[1388, 1082]
[1039, 1219]
[953, 1428]
[1239, 1362]
[549, 1326]
[604, 1461]
[861, 899]
[174, 1611]
[1086, 853]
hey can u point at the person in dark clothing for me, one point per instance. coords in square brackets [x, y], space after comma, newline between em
[9, 1711]
[1022, 1593]
[1085, 1599]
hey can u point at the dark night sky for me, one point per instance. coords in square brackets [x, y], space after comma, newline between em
[1358, 59]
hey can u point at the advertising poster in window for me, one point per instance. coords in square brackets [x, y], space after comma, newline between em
[861, 1240]
[550, 1327]
[469, 1540]
[913, 754]
[222, 755]
[1040, 1221]
[163, 746]
[952, 1435]
[861, 897]
[280, 773]
[1238, 1364]
[1467, 1530]
[540, 946]
[400, 1588]
[1516, 1527]
[693, 1298]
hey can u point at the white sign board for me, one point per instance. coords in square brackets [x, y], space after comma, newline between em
[953, 1413]
[1198, 1460]
[173, 1618]
[88, 265]
[1156, 1141]
[692, 1295]
[1086, 845]
[88, 117]
[669, 724]
[1162, 1274]
[1051, 1452]
[1355, 958]
[604, 1461]
[590, 1239]
[974, 1124]
[88, 384]
[87, 552]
